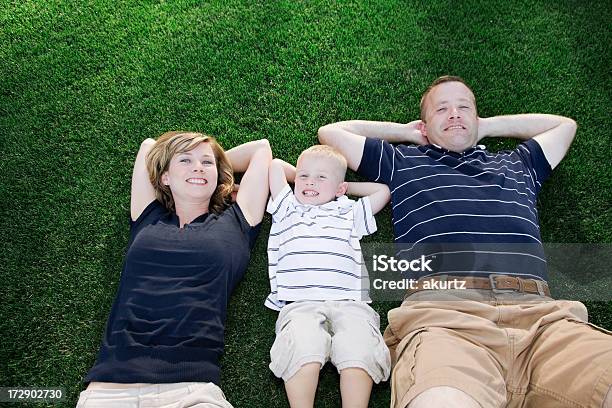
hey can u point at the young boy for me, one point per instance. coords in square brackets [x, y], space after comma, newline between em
[319, 281]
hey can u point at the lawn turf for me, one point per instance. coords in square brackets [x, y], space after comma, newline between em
[83, 83]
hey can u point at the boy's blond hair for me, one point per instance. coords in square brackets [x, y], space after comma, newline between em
[328, 152]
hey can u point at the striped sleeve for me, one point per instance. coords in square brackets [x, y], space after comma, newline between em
[532, 156]
[273, 303]
[364, 222]
[278, 206]
[377, 161]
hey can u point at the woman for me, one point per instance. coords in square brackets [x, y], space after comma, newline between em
[188, 249]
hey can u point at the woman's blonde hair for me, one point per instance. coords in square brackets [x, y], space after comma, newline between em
[175, 142]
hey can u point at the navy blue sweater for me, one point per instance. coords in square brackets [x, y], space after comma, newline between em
[167, 321]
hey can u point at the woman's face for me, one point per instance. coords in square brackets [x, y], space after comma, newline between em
[192, 176]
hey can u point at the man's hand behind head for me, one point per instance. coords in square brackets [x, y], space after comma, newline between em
[414, 133]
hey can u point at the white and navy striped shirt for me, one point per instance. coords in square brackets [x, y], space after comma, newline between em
[314, 252]
[474, 198]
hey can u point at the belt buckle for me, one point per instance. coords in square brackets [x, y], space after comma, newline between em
[540, 286]
[494, 284]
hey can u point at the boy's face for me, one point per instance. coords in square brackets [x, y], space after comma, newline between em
[318, 180]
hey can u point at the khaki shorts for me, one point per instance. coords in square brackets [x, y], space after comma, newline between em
[503, 349]
[197, 394]
[345, 332]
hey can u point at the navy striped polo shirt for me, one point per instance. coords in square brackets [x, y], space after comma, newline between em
[476, 209]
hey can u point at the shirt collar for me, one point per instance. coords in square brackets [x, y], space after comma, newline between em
[466, 151]
[339, 203]
[173, 219]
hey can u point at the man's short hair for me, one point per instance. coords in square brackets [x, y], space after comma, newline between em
[329, 152]
[438, 81]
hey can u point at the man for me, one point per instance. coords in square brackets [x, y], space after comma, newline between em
[503, 340]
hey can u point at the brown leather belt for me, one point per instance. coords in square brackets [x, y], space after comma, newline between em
[496, 283]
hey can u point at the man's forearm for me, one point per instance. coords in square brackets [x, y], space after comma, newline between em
[349, 137]
[522, 127]
[390, 131]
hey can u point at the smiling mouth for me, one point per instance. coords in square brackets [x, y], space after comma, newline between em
[310, 193]
[455, 127]
[200, 181]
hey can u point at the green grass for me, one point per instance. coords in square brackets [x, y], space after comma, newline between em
[83, 83]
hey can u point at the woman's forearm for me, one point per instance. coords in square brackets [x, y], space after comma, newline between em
[240, 156]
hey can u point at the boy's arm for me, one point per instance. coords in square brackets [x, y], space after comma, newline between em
[553, 133]
[280, 173]
[289, 170]
[378, 194]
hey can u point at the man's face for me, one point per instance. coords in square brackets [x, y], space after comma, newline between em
[317, 180]
[451, 120]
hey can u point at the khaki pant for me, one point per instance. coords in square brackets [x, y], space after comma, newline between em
[346, 332]
[503, 349]
[173, 395]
